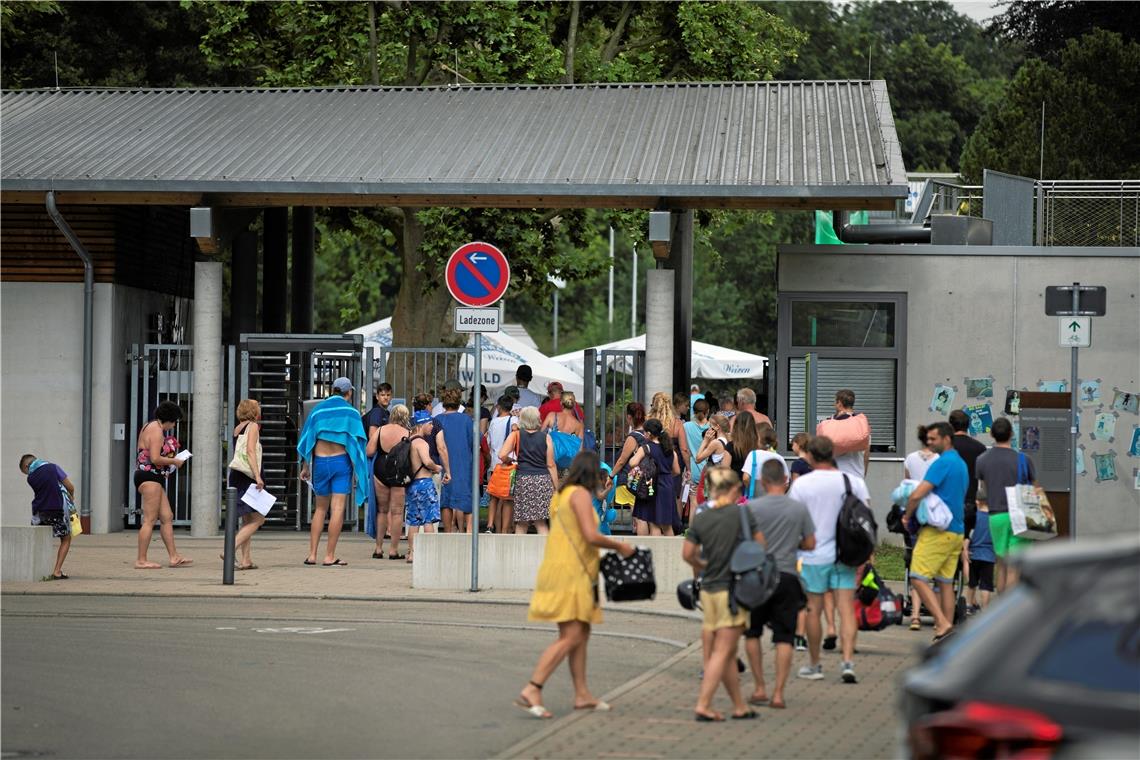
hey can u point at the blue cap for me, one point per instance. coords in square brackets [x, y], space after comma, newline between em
[421, 417]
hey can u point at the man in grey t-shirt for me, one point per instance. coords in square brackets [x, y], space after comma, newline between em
[997, 469]
[787, 526]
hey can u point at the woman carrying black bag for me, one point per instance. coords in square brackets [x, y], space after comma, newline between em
[566, 590]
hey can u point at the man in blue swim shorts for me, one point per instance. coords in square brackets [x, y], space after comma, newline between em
[333, 440]
[421, 503]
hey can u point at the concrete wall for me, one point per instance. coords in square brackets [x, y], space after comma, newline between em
[28, 552]
[977, 315]
[443, 561]
[41, 396]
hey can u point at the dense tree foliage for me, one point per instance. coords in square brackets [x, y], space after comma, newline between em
[1044, 27]
[1091, 112]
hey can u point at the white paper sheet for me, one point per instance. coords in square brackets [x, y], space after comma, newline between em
[183, 455]
[262, 501]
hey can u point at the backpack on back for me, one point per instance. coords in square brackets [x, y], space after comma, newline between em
[396, 471]
[754, 572]
[856, 531]
[644, 476]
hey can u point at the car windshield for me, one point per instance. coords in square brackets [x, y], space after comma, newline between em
[1098, 644]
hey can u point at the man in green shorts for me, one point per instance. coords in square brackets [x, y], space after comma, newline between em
[997, 469]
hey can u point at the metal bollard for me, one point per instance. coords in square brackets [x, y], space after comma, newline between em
[231, 533]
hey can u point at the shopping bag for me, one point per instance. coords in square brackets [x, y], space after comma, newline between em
[1030, 514]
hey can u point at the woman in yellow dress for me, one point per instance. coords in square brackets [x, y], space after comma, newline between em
[566, 590]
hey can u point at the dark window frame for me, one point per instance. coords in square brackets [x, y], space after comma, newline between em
[786, 350]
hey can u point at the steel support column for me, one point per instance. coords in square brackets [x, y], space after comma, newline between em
[274, 269]
[681, 262]
[304, 258]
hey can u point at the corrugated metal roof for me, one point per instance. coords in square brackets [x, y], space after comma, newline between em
[714, 140]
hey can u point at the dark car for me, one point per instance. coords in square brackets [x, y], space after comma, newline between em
[1050, 669]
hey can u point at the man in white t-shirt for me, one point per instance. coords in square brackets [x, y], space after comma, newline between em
[754, 463]
[823, 490]
[523, 375]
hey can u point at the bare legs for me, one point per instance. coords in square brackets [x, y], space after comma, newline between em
[429, 528]
[814, 626]
[500, 512]
[720, 668]
[845, 597]
[383, 505]
[334, 507]
[539, 525]
[395, 521]
[573, 636]
[845, 600]
[61, 555]
[829, 612]
[156, 506]
[251, 523]
[942, 621]
[784, 655]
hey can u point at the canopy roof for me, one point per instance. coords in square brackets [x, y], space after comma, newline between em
[827, 144]
[709, 361]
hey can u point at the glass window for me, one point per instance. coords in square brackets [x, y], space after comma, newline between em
[843, 324]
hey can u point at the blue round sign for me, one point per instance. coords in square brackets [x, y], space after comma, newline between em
[477, 274]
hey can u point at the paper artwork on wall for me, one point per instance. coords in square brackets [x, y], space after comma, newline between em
[1104, 429]
[1088, 392]
[1105, 466]
[981, 418]
[1031, 440]
[979, 387]
[1053, 386]
[1079, 461]
[1125, 402]
[942, 400]
[1134, 444]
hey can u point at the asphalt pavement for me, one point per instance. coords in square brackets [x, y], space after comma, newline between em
[171, 678]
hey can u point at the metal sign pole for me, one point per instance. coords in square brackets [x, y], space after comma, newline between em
[1074, 391]
[476, 404]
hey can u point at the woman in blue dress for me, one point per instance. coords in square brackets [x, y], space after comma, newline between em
[654, 515]
[455, 498]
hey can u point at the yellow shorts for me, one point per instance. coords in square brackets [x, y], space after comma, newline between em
[717, 613]
[935, 554]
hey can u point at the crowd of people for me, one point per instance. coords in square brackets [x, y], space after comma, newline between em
[694, 465]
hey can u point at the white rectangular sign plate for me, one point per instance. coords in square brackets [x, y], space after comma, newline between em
[1074, 332]
[472, 320]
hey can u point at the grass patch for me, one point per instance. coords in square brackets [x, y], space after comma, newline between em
[889, 561]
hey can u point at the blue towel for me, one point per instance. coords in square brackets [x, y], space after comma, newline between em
[337, 421]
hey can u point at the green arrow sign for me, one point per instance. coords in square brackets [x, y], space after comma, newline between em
[1074, 326]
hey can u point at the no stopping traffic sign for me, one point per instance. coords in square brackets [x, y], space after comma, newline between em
[477, 274]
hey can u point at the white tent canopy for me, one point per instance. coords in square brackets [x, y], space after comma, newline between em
[502, 355]
[709, 361]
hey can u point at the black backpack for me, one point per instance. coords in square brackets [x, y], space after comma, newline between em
[396, 471]
[856, 532]
[755, 576]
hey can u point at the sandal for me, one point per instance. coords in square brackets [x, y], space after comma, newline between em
[395, 556]
[915, 624]
[534, 710]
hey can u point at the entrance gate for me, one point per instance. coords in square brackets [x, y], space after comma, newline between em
[281, 372]
[612, 379]
[421, 370]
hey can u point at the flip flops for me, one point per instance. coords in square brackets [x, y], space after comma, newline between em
[534, 711]
[309, 562]
[245, 567]
[757, 700]
[714, 718]
[182, 562]
[598, 706]
[750, 715]
[395, 556]
[338, 562]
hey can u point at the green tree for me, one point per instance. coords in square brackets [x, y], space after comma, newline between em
[1091, 113]
[1044, 27]
[306, 44]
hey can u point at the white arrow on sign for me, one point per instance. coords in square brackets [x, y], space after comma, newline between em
[476, 258]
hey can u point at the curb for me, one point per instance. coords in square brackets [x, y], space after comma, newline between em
[332, 597]
[561, 723]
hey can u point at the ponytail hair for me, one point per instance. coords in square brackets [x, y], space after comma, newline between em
[654, 428]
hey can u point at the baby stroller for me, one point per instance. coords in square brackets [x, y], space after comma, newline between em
[894, 525]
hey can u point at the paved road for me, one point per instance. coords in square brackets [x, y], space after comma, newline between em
[157, 678]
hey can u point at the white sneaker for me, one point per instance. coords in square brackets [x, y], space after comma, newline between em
[848, 672]
[811, 672]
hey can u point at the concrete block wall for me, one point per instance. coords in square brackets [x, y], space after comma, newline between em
[443, 561]
[27, 552]
[975, 313]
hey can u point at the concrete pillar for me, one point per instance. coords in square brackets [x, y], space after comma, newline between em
[243, 286]
[681, 262]
[274, 270]
[304, 259]
[206, 419]
[659, 289]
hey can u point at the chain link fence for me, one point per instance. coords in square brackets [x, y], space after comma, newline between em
[1096, 213]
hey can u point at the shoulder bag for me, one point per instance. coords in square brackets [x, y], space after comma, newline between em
[502, 481]
[240, 462]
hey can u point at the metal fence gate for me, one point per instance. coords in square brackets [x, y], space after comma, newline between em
[281, 372]
[160, 372]
[411, 371]
[612, 379]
